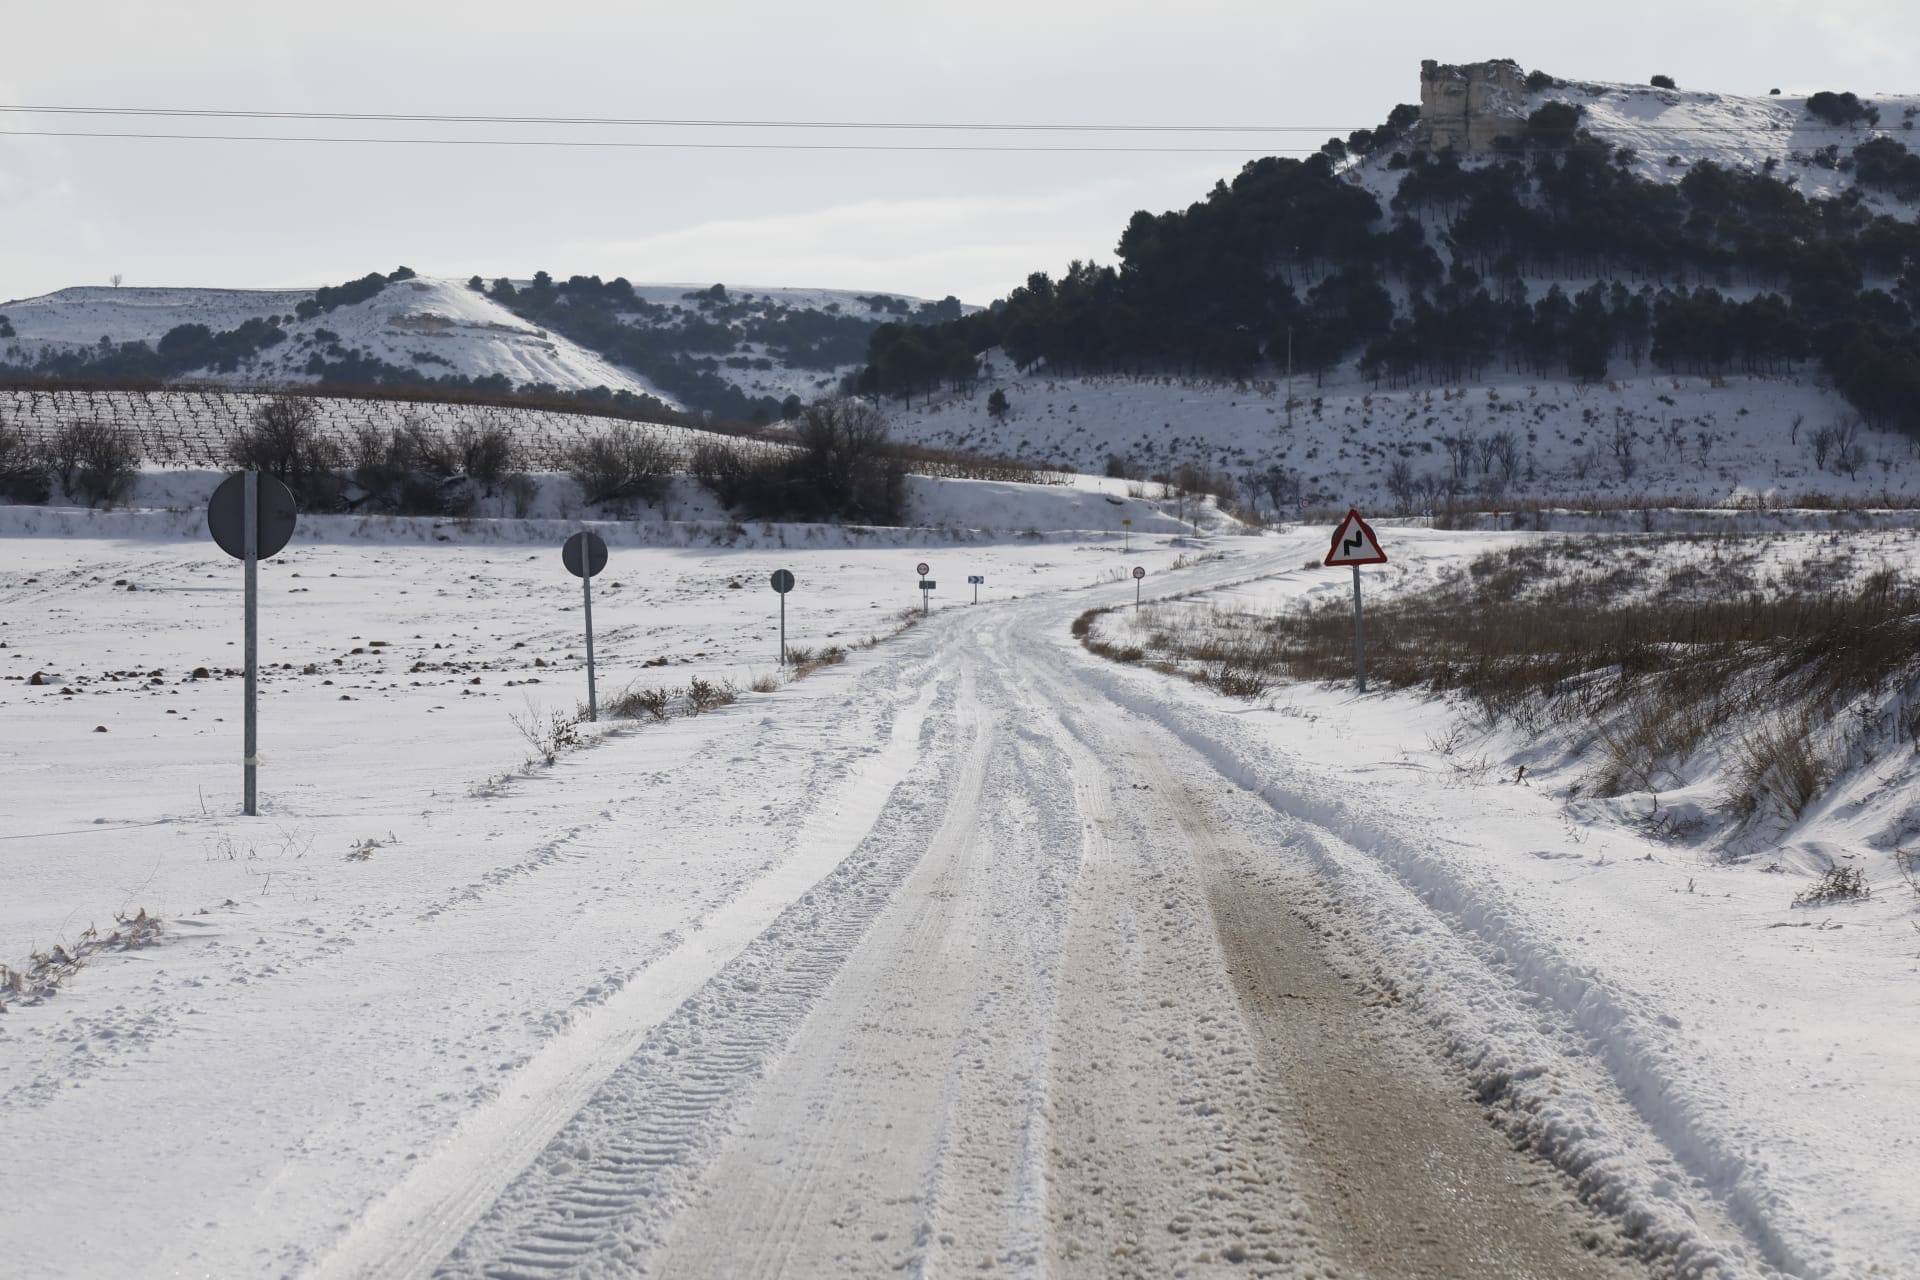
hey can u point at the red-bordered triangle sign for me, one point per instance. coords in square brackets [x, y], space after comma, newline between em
[1355, 543]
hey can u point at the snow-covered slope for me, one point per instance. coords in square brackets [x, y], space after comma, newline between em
[1692, 437]
[442, 326]
[435, 326]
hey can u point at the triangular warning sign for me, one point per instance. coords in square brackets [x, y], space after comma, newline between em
[1354, 543]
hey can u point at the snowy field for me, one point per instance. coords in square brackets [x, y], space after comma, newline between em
[958, 953]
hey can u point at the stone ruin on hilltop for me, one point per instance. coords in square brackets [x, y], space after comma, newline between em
[1467, 107]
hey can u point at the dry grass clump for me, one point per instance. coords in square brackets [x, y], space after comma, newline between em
[828, 656]
[1776, 761]
[1647, 653]
[45, 971]
[655, 703]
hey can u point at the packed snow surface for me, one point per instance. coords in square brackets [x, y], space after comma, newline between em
[973, 911]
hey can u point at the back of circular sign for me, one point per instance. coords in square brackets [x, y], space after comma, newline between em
[275, 514]
[596, 554]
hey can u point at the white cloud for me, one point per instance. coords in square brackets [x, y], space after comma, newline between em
[974, 247]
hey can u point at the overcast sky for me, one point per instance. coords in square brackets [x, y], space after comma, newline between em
[245, 214]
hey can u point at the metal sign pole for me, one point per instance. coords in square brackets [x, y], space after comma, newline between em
[976, 593]
[586, 601]
[250, 514]
[1136, 594]
[924, 593]
[1359, 634]
[783, 628]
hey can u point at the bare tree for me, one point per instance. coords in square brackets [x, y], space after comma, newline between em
[1460, 451]
[1622, 445]
[1502, 451]
[115, 279]
[284, 440]
[1822, 442]
[1401, 484]
[1849, 455]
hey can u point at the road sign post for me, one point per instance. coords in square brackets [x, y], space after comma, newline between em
[584, 554]
[926, 587]
[976, 579]
[1355, 544]
[1359, 636]
[1139, 572]
[783, 583]
[250, 751]
[251, 518]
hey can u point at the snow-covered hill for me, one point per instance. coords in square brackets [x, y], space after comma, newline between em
[434, 326]
[1641, 431]
[1666, 131]
[439, 327]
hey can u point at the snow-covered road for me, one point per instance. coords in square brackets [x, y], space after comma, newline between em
[1053, 1007]
[975, 953]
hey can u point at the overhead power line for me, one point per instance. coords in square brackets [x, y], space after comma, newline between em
[628, 144]
[665, 123]
[1650, 151]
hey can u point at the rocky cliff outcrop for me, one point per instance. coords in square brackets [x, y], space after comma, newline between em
[1466, 107]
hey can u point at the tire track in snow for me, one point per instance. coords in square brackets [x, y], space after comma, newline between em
[1528, 1025]
[1169, 1155]
[415, 1225]
[852, 1074]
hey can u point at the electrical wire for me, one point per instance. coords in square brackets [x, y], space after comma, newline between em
[651, 123]
[628, 144]
[620, 144]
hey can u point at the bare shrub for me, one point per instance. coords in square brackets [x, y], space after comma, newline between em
[706, 695]
[623, 466]
[521, 490]
[23, 469]
[94, 462]
[637, 703]
[728, 470]
[409, 470]
[487, 452]
[1238, 682]
[1839, 884]
[549, 733]
[284, 440]
[840, 465]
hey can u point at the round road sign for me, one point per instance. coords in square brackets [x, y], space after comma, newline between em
[596, 554]
[782, 581]
[1139, 571]
[922, 566]
[274, 514]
